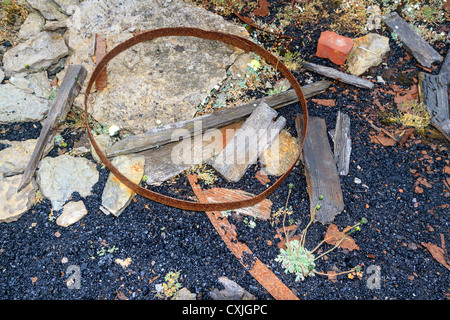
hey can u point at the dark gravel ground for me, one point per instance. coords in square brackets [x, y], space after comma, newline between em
[160, 239]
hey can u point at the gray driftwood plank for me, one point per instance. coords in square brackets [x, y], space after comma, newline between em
[69, 89]
[413, 43]
[445, 68]
[338, 75]
[342, 143]
[433, 93]
[217, 119]
[250, 141]
[320, 170]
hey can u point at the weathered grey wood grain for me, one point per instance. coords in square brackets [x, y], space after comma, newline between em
[217, 119]
[338, 75]
[434, 94]
[342, 143]
[413, 43]
[445, 68]
[69, 89]
[250, 141]
[320, 170]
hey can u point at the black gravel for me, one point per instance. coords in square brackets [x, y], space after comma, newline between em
[36, 255]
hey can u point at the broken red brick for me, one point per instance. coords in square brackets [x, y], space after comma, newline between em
[334, 47]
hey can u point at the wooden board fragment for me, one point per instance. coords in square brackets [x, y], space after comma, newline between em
[167, 161]
[445, 68]
[67, 92]
[260, 210]
[250, 141]
[338, 75]
[413, 43]
[217, 119]
[342, 143]
[320, 170]
[433, 93]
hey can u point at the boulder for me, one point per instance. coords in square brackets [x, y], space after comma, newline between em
[165, 79]
[368, 51]
[17, 105]
[60, 177]
[40, 51]
[14, 204]
[116, 196]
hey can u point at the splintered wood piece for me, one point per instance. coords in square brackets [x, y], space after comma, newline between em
[342, 143]
[413, 43]
[217, 119]
[100, 52]
[242, 252]
[433, 93]
[260, 210]
[171, 159]
[445, 68]
[250, 141]
[338, 75]
[67, 92]
[320, 170]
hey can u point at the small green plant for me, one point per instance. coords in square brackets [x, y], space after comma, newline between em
[59, 140]
[300, 261]
[170, 286]
[207, 175]
[102, 251]
[249, 222]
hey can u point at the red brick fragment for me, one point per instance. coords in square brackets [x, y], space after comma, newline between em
[334, 47]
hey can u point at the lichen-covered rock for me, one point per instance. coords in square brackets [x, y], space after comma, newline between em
[165, 79]
[116, 196]
[14, 204]
[60, 177]
[17, 105]
[40, 51]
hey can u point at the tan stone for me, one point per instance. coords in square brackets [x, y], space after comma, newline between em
[14, 204]
[279, 157]
[72, 213]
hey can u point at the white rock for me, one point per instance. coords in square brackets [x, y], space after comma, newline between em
[36, 83]
[40, 51]
[72, 213]
[60, 177]
[18, 106]
[49, 9]
[116, 196]
[68, 6]
[14, 204]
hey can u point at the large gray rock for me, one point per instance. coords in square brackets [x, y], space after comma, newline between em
[61, 176]
[40, 51]
[14, 204]
[116, 196]
[14, 159]
[18, 106]
[48, 8]
[32, 26]
[165, 79]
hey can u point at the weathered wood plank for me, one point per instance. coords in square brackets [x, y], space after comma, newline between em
[250, 141]
[217, 119]
[169, 160]
[338, 75]
[320, 170]
[69, 89]
[413, 43]
[342, 143]
[445, 68]
[434, 94]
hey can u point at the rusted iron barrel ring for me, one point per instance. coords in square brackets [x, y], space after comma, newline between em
[237, 41]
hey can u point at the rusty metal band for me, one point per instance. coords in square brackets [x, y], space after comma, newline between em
[237, 41]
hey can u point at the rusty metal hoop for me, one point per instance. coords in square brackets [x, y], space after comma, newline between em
[234, 40]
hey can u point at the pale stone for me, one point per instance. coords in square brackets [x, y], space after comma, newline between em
[368, 51]
[103, 141]
[116, 196]
[49, 9]
[277, 159]
[36, 83]
[2, 75]
[14, 159]
[18, 106]
[40, 51]
[72, 213]
[165, 79]
[68, 6]
[31, 26]
[60, 177]
[14, 204]
[184, 294]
